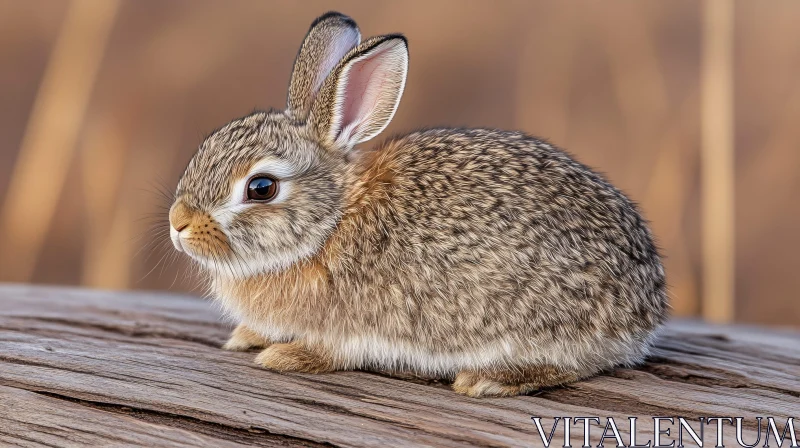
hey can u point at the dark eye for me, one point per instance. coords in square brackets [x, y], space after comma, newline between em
[262, 188]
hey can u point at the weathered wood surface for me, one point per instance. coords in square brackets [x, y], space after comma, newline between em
[84, 368]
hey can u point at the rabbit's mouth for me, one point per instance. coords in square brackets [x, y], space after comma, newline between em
[175, 236]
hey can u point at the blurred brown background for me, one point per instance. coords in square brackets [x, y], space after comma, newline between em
[104, 102]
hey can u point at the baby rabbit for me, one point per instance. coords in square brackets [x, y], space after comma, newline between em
[486, 257]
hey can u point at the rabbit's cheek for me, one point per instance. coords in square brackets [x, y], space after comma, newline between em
[212, 243]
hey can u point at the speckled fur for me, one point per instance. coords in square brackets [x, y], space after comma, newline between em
[478, 251]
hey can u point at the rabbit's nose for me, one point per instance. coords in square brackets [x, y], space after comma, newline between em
[180, 216]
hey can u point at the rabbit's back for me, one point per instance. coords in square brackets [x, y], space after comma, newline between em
[464, 237]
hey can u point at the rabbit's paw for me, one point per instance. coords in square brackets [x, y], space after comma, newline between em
[294, 357]
[511, 381]
[243, 339]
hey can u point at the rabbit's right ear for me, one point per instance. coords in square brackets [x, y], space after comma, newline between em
[330, 37]
[359, 98]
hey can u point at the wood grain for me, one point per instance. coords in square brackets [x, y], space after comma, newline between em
[82, 368]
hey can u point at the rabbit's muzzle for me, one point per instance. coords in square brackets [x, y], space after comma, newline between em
[196, 233]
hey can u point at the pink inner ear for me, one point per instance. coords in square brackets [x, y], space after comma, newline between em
[340, 44]
[365, 86]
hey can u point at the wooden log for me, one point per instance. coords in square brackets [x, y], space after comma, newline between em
[80, 367]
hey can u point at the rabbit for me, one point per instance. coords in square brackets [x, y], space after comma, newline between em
[487, 258]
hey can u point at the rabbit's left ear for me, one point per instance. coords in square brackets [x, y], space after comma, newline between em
[330, 37]
[360, 96]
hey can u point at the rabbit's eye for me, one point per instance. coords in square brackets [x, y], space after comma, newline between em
[262, 188]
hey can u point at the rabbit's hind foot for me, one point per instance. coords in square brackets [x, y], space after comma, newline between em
[510, 381]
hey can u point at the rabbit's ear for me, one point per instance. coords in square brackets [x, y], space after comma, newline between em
[330, 37]
[360, 97]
